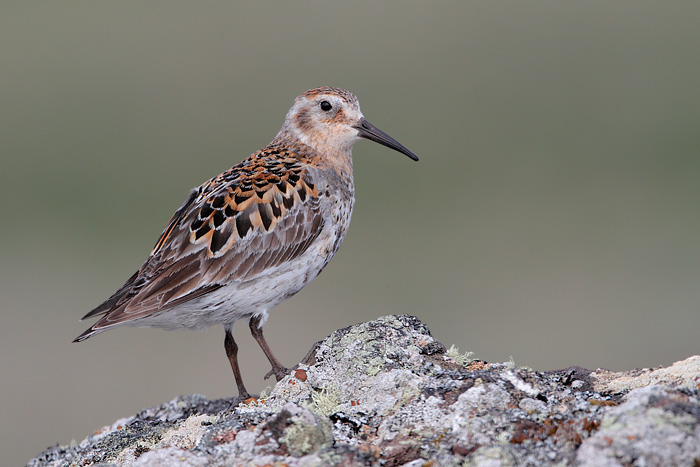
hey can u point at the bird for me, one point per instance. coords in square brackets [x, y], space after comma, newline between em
[253, 236]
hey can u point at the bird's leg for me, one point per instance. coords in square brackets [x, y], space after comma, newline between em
[232, 354]
[277, 368]
[310, 357]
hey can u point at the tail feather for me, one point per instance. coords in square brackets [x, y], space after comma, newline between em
[87, 334]
[108, 304]
[105, 307]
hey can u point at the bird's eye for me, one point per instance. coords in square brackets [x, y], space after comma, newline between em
[326, 106]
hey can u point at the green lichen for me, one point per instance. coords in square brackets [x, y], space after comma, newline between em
[491, 455]
[302, 438]
[459, 358]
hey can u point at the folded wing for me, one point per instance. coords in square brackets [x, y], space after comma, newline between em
[240, 225]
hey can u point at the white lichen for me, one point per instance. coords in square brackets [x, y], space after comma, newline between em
[325, 402]
[459, 358]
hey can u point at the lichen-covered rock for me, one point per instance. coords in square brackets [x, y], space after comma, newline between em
[386, 393]
[656, 425]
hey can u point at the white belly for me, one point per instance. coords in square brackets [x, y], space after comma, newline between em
[242, 299]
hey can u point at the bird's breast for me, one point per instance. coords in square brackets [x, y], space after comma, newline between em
[337, 200]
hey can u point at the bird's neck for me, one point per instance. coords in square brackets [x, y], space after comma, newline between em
[320, 152]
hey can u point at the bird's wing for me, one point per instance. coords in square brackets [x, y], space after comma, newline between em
[240, 225]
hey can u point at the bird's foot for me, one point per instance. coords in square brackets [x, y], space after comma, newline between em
[280, 372]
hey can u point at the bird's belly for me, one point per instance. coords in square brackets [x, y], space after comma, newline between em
[242, 299]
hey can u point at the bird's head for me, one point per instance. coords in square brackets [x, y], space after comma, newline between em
[329, 120]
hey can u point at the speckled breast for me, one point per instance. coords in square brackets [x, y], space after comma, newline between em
[337, 196]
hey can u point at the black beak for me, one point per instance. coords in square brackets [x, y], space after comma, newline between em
[366, 130]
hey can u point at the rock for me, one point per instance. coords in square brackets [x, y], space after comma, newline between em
[387, 393]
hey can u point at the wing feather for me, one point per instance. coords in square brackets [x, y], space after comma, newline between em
[236, 227]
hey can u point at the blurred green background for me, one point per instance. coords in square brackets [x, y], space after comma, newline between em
[554, 215]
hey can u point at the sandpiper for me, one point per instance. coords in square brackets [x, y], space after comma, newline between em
[255, 235]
